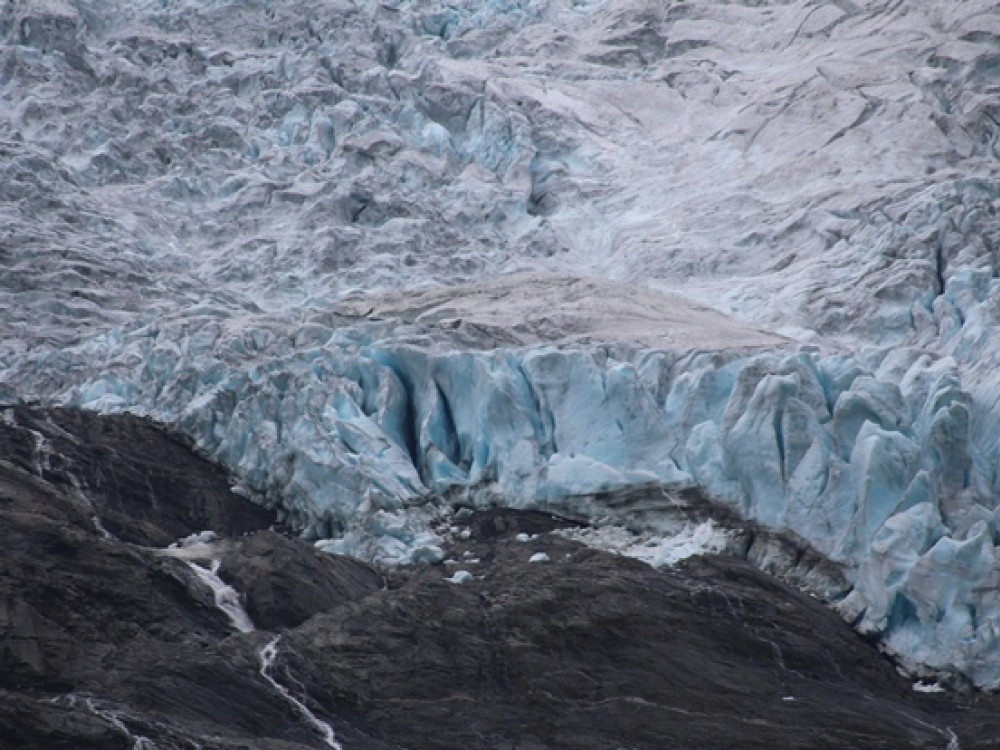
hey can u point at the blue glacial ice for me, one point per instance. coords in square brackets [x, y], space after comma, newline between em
[188, 206]
[364, 440]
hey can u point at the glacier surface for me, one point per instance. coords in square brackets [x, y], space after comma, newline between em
[380, 258]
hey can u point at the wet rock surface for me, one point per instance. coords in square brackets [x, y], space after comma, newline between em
[145, 487]
[102, 641]
[106, 641]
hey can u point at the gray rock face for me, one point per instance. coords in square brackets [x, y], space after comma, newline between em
[285, 582]
[107, 643]
[137, 483]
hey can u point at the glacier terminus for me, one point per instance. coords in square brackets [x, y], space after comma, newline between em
[385, 260]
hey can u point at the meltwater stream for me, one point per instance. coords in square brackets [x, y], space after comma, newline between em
[226, 597]
[267, 656]
[139, 742]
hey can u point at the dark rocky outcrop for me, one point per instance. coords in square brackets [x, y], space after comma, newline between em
[146, 486]
[595, 651]
[286, 581]
[106, 642]
[103, 641]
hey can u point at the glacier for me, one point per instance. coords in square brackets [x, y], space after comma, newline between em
[385, 259]
[365, 442]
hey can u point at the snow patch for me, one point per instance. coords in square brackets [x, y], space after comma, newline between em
[653, 549]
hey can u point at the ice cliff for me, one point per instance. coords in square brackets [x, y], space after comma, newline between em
[380, 257]
[364, 434]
